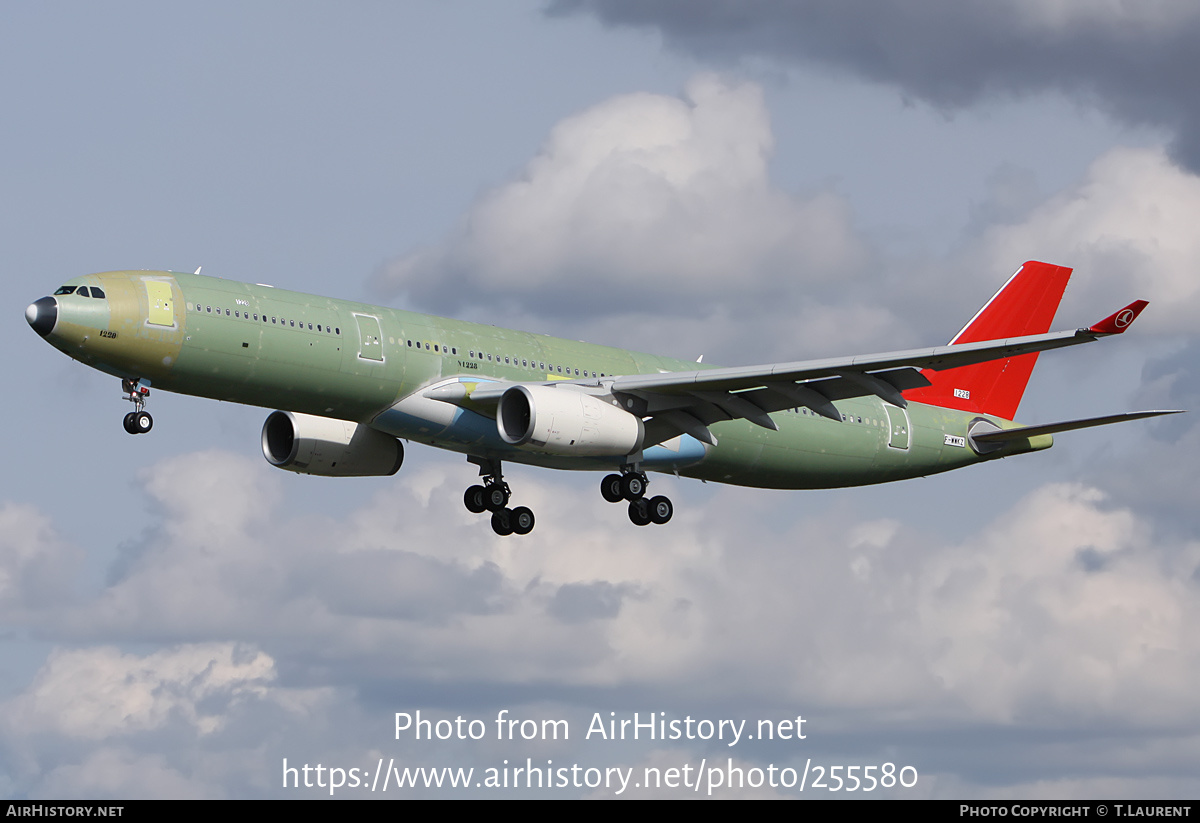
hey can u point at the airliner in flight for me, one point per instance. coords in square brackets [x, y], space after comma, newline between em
[350, 381]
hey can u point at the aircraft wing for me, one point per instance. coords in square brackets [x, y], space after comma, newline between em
[689, 402]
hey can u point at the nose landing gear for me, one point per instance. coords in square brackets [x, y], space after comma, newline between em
[139, 420]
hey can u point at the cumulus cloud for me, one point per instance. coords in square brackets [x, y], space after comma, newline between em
[1127, 228]
[1136, 60]
[99, 692]
[1050, 602]
[642, 203]
[36, 564]
[119, 772]
[1065, 611]
[184, 721]
[1051, 615]
[669, 200]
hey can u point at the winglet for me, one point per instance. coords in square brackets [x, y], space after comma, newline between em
[1118, 322]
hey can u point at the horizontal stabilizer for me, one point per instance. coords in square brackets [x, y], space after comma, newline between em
[1005, 435]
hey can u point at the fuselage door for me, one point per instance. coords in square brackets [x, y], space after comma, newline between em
[370, 342]
[161, 305]
[897, 426]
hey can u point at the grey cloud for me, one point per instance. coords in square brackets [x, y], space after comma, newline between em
[1173, 382]
[407, 586]
[1137, 60]
[813, 606]
[36, 565]
[1161, 475]
[454, 599]
[581, 602]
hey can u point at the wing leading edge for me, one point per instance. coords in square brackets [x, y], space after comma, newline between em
[692, 401]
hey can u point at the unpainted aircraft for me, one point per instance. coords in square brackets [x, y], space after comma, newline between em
[351, 381]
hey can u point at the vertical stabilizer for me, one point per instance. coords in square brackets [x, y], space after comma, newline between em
[1025, 305]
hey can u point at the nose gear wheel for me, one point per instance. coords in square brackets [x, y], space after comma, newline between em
[139, 420]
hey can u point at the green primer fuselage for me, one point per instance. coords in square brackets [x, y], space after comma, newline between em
[269, 347]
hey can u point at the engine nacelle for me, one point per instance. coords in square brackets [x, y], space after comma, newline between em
[568, 422]
[307, 444]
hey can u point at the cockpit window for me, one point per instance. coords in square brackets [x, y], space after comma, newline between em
[97, 292]
[65, 290]
[83, 292]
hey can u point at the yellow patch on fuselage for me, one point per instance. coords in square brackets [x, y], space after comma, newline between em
[161, 308]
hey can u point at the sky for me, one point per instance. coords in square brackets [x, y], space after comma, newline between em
[752, 182]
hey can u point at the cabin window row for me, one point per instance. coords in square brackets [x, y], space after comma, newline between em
[508, 360]
[435, 347]
[847, 418]
[273, 319]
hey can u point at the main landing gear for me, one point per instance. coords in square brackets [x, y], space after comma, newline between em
[139, 420]
[631, 486]
[493, 497]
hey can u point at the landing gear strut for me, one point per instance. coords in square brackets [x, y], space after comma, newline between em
[493, 497]
[139, 420]
[631, 485]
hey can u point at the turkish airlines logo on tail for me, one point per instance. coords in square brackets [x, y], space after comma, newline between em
[1123, 319]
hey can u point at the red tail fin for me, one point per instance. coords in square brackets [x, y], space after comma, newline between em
[1025, 305]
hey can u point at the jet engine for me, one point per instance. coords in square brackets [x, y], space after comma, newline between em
[568, 422]
[306, 444]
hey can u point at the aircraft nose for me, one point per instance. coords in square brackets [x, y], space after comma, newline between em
[42, 315]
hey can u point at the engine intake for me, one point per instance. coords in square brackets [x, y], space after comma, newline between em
[306, 444]
[568, 422]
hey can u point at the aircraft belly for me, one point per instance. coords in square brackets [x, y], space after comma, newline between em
[439, 424]
[675, 454]
[448, 426]
[812, 452]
